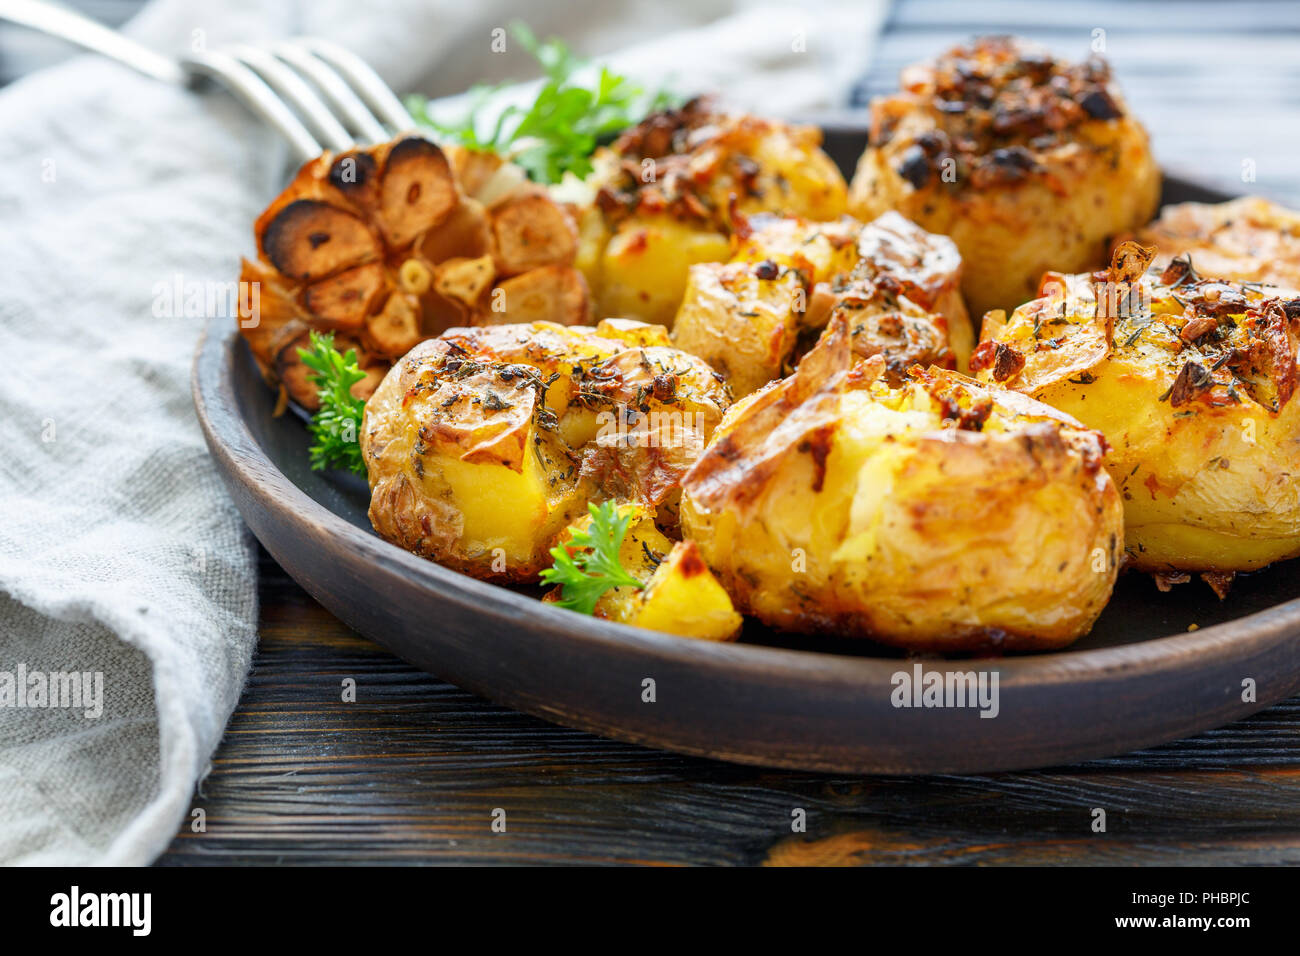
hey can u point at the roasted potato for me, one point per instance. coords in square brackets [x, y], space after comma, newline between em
[1192, 381]
[680, 595]
[898, 285]
[387, 246]
[662, 198]
[1248, 239]
[939, 515]
[1029, 163]
[483, 444]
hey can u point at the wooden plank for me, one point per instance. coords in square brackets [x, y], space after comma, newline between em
[413, 770]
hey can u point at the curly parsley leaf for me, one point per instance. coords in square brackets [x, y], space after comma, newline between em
[587, 565]
[567, 120]
[336, 426]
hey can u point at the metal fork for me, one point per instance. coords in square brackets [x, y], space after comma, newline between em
[315, 93]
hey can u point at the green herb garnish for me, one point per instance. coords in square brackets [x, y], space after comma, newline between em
[336, 425]
[593, 567]
[561, 129]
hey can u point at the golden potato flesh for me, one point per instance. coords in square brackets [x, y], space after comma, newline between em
[390, 245]
[1029, 163]
[663, 197]
[940, 515]
[1192, 381]
[897, 285]
[680, 595]
[1248, 239]
[483, 444]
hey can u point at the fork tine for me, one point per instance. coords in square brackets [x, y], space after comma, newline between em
[253, 92]
[340, 95]
[295, 90]
[373, 90]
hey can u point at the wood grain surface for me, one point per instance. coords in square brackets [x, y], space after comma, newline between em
[413, 770]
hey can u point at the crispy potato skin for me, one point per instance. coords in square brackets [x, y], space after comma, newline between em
[739, 322]
[1192, 383]
[392, 244]
[941, 515]
[665, 192]
[680, 595]
[483, 444]
[1034, 181]
[899, 286]
[1248, 239]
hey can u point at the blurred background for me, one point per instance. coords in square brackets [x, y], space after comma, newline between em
[1217, 83]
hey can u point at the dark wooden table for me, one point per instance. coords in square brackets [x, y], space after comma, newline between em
[413, 770]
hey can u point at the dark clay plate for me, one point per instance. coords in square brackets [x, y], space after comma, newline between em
[1140, 678]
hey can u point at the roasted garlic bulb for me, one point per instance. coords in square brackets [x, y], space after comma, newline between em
[393, 244]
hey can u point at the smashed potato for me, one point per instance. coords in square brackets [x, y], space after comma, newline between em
[1248, 239]
[680, 595]
[940, 515]
[1029, 163]
[483, 444]
[898, 286]
[1192, 380]
[389, 245]
[663, 196]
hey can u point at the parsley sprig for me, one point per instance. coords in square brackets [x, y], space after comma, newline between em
[336, 426]
[592, 567]
[561, 129]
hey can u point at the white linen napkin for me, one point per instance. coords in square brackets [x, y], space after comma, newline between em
[121, 557]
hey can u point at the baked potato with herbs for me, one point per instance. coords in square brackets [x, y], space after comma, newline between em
[679, 595]
[392, 244]
[1248, 239]
[1029, 163]
[1192, 380]
[939, 515]
[662, 198]
[483, 444]
[898, 285]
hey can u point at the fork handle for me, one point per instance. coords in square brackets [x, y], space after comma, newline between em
[72, 26]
